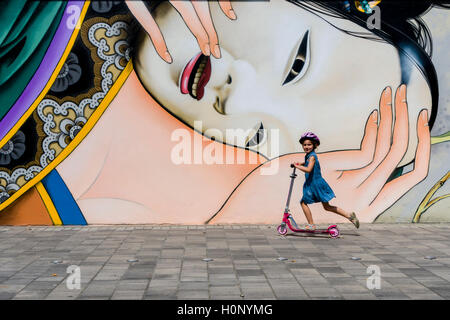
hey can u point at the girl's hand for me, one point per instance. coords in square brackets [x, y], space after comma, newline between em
[197, 17]
[358, 177]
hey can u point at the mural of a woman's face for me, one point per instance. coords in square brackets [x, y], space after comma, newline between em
[282, 68]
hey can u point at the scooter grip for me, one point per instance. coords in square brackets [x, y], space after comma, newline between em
[292, 165]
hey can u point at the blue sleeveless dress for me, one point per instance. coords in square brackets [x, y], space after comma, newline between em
[315, 188]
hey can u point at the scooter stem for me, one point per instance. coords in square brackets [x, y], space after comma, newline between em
[293, 176]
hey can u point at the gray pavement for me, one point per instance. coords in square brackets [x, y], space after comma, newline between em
[167, 262]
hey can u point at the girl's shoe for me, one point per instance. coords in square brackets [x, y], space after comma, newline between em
[353, 219]
[310, 227]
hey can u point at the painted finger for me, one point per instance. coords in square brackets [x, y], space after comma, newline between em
[202, 9]
[226, 7]
[375, 182]
[143, 16]
[192, 21]
[350, 159]
[396, 188]
[356, 177]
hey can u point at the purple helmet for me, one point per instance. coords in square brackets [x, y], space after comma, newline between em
[309, 136]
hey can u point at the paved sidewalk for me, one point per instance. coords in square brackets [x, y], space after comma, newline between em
[157, 262]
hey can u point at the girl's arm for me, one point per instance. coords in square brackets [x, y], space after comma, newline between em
[307, 169]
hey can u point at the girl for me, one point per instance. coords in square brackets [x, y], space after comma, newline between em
[315, 188]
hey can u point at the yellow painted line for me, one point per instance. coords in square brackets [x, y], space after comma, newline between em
[78, 138]
[49, 204]
[47, 87]
[442, 138]
[427, 202]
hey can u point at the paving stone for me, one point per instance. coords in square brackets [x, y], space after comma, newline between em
[128, 295]
[132, 284]
[316, 292]
[59, 294]
[244, 262]
[6, 295]
[359, 296]
[351, 288]
[99, 288]
[224, 290]
[225, 297]
[443, 291]
[258, 294]
[31, 295]
[94, 298]
[390, 294]
[192, 294]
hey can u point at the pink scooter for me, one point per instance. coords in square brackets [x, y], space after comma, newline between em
[288, 220]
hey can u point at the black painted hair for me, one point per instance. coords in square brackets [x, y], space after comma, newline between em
[401, 26]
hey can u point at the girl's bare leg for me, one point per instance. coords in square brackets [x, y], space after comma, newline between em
[335, 209]
[307, 212]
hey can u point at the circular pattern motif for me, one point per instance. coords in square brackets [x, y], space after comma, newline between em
[13, 149]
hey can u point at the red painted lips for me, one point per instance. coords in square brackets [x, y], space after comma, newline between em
[195, 76]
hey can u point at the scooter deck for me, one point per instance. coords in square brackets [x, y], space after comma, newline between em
[290, 222]
[310, 231]
[282, 229]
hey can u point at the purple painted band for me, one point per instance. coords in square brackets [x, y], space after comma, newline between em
[45, 69]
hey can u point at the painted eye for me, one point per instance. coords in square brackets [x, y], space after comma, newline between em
[300, 62]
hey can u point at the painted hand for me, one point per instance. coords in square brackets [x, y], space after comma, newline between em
[197, 17]
[358, 177]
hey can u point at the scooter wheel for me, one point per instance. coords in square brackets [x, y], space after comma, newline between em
[282, 230]
[334, 232]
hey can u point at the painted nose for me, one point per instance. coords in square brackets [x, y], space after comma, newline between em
[222, 94]
[243, 92]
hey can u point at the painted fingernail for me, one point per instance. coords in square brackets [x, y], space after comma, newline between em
[168, 57]
[232, 14]
[375, 116]
[403, 92]
[387, 91]
[425, 116]
[216, 51]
